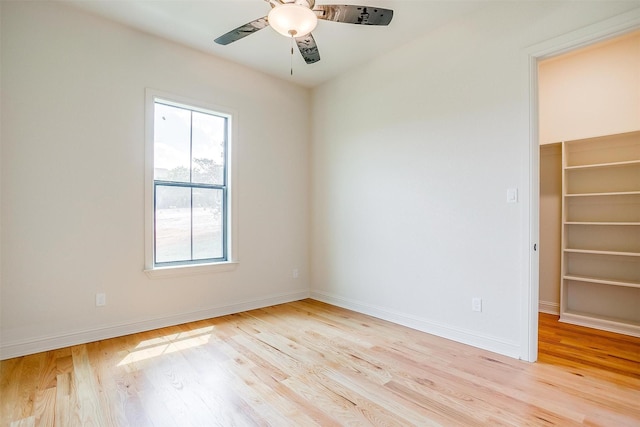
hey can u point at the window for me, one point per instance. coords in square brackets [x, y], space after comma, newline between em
[190, 209]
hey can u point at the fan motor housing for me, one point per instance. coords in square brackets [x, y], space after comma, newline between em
[306, 3]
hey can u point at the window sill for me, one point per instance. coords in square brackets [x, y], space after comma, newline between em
[189, 270]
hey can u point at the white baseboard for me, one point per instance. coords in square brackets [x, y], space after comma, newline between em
[493, 344]
[549, 307]
[603, 324]
[36, 345]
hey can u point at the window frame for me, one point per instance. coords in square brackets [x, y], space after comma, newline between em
[152, 269]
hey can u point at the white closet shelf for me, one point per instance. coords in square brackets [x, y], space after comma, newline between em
[600, 187]
[613, 193]
[602, 281]
[604, 165]
[600, 223]
[595, 252]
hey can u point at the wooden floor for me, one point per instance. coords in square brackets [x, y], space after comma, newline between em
[307, 363]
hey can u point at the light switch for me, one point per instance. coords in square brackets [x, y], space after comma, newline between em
[101, 299]
[512, 195]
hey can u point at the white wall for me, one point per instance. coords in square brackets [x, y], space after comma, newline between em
[412, 155]
[73, 93]
[550, 227]
[591, 92]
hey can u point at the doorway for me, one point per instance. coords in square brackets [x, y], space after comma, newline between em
[544, 286]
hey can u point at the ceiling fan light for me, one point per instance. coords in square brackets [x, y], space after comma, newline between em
[292, 20]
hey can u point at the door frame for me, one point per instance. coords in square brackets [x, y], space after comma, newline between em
[595, 33]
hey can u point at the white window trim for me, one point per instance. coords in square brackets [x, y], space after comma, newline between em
[232, 206]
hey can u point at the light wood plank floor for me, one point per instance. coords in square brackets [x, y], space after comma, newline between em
[307, 363]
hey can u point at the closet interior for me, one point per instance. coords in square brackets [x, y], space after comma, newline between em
[590, 185]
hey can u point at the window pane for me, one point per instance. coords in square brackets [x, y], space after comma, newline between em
[172, 143]
[207, 223]
[173, 224]
[208, 148]
[189, 215]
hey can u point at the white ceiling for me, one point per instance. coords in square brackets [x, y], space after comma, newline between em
[197, 23]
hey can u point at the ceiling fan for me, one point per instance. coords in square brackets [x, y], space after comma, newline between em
[297, 18]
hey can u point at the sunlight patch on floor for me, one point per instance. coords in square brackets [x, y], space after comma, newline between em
[167, 344]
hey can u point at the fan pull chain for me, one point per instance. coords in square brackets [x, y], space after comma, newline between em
[293, 34]
[291, 63]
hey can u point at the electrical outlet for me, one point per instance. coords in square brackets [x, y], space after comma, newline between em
[101, 299]
[295, 273]
[476, 304]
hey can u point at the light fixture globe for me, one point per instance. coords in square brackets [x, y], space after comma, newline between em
[292, 20]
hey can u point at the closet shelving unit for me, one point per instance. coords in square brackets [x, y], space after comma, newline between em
[600, 285]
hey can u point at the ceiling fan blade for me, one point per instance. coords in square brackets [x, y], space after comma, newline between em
[308, 48]
[274, 3]
[352, 14]
[243, 31]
